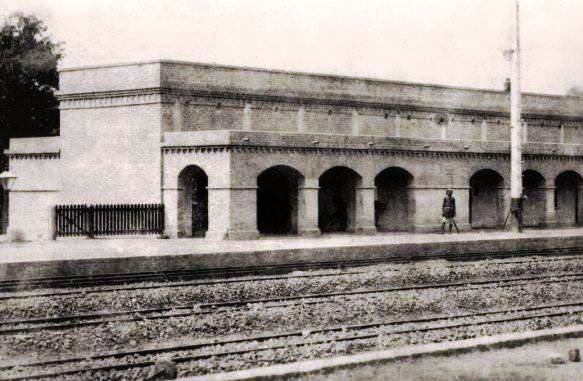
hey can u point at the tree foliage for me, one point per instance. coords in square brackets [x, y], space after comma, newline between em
[28, 79]
[575, 91]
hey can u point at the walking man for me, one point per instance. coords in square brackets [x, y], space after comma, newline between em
[448, 212]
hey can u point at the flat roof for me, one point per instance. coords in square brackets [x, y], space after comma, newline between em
[299, 73]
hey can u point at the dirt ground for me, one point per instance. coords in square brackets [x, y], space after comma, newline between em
[527, 363]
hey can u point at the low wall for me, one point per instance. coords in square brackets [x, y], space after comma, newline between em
[315, 256]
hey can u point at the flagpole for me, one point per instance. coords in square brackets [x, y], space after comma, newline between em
[515, 130]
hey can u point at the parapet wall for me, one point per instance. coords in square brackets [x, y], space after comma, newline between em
[197, 97]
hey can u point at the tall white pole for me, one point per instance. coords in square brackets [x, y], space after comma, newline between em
[515, 130]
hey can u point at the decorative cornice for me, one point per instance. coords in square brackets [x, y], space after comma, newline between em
[169, 95]
[34, 155]
[431, 154]
[110, 99]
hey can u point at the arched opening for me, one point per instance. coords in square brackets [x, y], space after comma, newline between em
[486, 203]
[393, 205]
[567, 198]
[192, 202]
[337, 200]
[277, 200]
[3, 210]
[533, 207]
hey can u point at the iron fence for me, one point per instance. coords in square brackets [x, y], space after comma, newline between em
[118, 219]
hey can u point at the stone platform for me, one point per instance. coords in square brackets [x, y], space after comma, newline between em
[76, 257]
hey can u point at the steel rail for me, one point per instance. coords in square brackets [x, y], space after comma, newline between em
[73, 321]
[263, 338]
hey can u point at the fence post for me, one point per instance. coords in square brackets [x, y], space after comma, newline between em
[161, 219]
[56, 220]
[91, 215]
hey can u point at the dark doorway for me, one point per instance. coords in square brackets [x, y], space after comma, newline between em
[486, 203]
[567, 198]
[193, 202]
[533, 184]
[337, 200]
[393, 206]
[277, 201]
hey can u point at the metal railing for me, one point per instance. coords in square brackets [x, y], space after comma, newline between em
[116, 219]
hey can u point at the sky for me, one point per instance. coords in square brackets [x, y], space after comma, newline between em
[449, 42]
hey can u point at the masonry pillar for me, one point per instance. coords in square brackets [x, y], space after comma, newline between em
[365, 222]
[177, 116]
[550, 211]
[247, 118]
[232, 212]
[308, 208]
[426, 201]
[355, 123]
[462, 205]
[505, 201]
[425, 207]
[300, 122]
[170, 199]
[398, 126]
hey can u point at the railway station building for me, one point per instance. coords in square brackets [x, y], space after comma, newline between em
[236, 153]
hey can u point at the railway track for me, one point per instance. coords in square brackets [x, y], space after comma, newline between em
[94, 319]
[247, 348]
[181, 284]
[184, 275]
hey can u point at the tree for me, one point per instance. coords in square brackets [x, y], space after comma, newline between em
[28, 79]
[575, 91]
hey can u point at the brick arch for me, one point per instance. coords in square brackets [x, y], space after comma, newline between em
[534, 203]
[176, 164]
[337, 199]
[192, 208]
[568, 200]
[394, 202]
[486, 199]
[535, 174]
[284, 167]
[497, 167]
[410, 172]
[277, 199]
[330, 167]
[559, 170]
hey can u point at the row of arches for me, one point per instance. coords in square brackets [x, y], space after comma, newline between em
[487, 199]
[279, 188]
